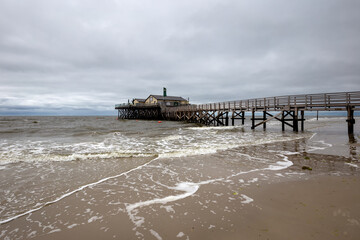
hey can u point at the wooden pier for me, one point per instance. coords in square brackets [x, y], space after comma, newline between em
[289, 110]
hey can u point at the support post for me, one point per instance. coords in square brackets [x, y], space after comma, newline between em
[283, 121]
[227, 119]
[302, 120]
[295, 121]
[252, 118]
[264, 118]
[350, 120]
[242, 117]
[233, 118]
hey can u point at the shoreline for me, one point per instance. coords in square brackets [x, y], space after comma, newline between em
[285, 204]
[319, 207]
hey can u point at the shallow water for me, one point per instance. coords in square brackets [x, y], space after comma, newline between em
[131, 167]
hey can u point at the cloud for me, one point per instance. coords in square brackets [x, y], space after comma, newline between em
[76, 54]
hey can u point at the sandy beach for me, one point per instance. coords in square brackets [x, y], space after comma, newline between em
[323, 207]
[287, 204]
[180, 181]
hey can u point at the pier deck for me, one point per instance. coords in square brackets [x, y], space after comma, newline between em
[285, 109]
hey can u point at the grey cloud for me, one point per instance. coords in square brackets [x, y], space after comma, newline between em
[70, 54]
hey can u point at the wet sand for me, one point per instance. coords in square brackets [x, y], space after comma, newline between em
[286, 204]
[323, 207]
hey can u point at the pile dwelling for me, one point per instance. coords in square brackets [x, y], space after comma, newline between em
[154, 107]
[289, 110]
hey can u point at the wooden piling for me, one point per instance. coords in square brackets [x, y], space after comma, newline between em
[264, 119]
[233, 118]
[350, 120]
[295, 120]
[242, 117]
[227, 119]
[302, 120]
[252, 118]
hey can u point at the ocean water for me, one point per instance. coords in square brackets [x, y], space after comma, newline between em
[46, 160]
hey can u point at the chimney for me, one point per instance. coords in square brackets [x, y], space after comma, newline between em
[164, 92]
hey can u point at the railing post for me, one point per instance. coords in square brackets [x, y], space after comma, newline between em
[274, 103]
[350, 120]
[325, 101]
[289, 102]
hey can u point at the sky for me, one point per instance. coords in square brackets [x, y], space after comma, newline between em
[71, 57]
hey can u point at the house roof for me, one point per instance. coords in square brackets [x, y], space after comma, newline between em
[169, 98]
[140, 99]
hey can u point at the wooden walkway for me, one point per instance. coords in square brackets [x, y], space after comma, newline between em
[289, 110]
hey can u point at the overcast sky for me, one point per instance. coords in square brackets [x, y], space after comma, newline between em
[82, 57]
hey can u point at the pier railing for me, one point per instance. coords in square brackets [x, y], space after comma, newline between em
[309, 102]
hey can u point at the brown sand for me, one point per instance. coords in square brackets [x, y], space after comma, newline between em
[323, 207]
[326, 207]
[317, 204]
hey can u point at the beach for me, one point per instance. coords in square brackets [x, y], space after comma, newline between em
[91, 178]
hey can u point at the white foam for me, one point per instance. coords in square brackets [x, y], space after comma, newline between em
[180, 234]
[323, 143]
[94, 218]
[116, 145]
[168, 209]
[73, 225]
[155, 234]
[352, 165]
[253, 180]
[205, 128]
[247, 199]
[280, 166]
[187, 187]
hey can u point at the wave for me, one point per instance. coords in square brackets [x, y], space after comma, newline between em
[181, 143]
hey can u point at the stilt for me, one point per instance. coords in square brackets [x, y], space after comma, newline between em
[295, 120]
[264, 118]
[227, 119]
[215, 118]
[317, 115]
[302, 120]
[350, 120]
[252, 118]
[283, 121]
[233, 118]
[242, 117]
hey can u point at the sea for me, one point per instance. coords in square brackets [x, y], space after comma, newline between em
[131, 168]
